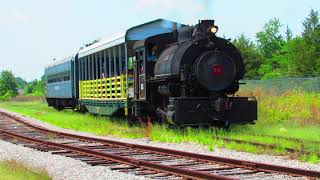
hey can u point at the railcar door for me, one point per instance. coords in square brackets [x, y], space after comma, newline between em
[140, 75]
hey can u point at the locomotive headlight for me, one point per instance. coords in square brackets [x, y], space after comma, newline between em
[214, 29]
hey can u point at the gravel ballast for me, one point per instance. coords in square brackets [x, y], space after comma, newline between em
[74, 169]
[58, 167]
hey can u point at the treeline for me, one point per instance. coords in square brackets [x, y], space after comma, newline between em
[35, 88]
[11, 86]
[277, 54]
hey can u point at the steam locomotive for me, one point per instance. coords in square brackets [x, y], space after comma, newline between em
[163, 71]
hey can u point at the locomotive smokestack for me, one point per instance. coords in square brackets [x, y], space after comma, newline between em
[174, 26]
[175, 30]
[201, 30]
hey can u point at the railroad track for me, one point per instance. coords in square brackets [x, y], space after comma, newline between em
[152, 162]
[291, 139]
[300, 150]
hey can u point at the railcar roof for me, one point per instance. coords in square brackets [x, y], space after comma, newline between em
[61, 61]
[103, 44]
[135, 33]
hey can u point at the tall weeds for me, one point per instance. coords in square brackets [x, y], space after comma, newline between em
[292, 107]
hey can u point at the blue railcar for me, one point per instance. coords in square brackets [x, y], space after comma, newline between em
[60, 84]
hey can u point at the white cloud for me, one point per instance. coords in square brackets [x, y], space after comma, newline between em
[14, 17]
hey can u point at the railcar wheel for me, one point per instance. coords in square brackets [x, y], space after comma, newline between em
[131, 120]
[227, 125]
[79, 108]
[58, 108]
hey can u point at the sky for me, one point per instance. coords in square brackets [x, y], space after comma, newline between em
[34, 32]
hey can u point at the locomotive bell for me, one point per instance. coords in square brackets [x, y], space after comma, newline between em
[215, 70]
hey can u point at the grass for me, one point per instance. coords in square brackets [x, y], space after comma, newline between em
[72, 120]
[293, 114]
[12, 170]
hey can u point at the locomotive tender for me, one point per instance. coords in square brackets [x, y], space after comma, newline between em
[160, 70]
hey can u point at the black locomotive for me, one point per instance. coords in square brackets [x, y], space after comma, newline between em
[189, 77]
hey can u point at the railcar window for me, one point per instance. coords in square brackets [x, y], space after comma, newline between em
[59, 77]
[152, 52]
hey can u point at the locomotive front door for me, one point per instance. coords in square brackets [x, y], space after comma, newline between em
[140, 75]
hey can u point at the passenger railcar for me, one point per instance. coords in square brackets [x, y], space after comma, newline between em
[160, 70]
[60, 84]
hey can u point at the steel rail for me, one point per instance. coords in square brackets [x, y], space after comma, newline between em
[214, 159]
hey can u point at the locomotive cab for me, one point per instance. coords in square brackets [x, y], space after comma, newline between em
[146, 55]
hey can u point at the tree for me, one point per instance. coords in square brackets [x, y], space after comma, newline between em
[311, 36]
[36, 87]
[302, 57]
[288, 34]
[311, 27]
[277, 66]
[21, 82]
[270, 40]
[271, 43]
[252, 58]
[8, 86]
